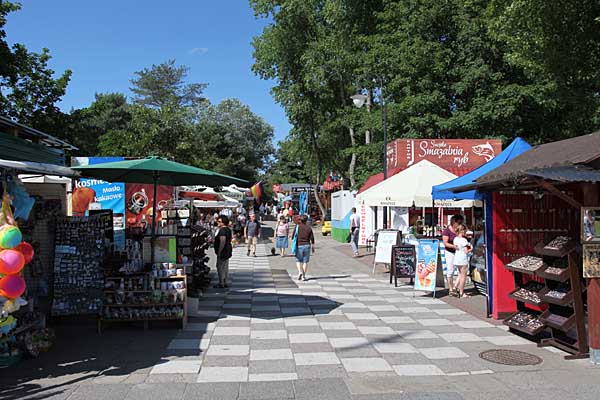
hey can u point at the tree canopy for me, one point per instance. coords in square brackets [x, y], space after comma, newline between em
[451, 69]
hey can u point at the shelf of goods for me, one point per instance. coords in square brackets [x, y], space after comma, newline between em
[559, 297]
[79, 256]
[157, 295]
[200, 245]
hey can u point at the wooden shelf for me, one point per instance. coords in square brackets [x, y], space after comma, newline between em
[510, 267]
[141, 319]
[560, 253]
[567, 299]
[531, 332]
[512, 295]
[557, 321]
[130, 291]
[144, 305]
[562, 277]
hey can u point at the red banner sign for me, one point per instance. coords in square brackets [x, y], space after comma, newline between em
[450, 154]
[139, 200]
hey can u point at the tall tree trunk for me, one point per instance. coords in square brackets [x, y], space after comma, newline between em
[353, 159]
[316, 191]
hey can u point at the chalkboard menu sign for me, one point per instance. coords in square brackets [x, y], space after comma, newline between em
[403, 262]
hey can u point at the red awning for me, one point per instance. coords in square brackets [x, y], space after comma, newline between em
[371, 181]
[201, 196]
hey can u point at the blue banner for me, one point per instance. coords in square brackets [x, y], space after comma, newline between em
[427, 263]
[111, 196]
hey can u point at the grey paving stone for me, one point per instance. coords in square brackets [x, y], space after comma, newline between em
[271, 366]
[23, 393]
[321, 389]
[310, 347]
[374, 385]
[228, 361]
[95, 391]
[223, 374]
[266, 390]
[433, 396]
[212, 391]
[229, 340]
[368, 351]
[148, 391]
[260, 344]
[304, 329]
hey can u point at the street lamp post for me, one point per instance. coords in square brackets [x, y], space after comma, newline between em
[359, 100]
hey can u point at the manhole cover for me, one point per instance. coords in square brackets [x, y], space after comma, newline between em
[510, 357]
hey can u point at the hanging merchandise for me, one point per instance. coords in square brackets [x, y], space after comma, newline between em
[20, 199]
[11, 262]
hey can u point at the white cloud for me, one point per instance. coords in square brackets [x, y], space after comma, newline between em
[198, 50]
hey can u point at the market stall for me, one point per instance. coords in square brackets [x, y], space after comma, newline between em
[541, 201]
[482, 254]
[134, 292]
[27, 254]
[407, 196]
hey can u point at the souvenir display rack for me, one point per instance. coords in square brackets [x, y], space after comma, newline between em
[557, 302]
[80, 250]
[158, 295]
[176, 222]
[200, 270]
[526, 319]
[563, 295]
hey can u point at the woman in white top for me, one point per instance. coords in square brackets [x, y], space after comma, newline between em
[461, 259]
[282, 232]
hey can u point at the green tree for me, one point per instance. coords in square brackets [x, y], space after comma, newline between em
[28, 89]
[557, 42]
[164, 85]
[166, 132]
[233, 139]
[109, 112]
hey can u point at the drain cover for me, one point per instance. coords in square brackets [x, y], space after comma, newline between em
[510, 357]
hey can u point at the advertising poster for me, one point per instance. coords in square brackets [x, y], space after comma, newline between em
[138, 203]
[427, 262]
[451, 154]
[591, 261]
[108, 195]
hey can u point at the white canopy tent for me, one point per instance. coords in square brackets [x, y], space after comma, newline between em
[412, 187]
[216, 204]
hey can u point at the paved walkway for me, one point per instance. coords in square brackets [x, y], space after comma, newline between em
[341, 335]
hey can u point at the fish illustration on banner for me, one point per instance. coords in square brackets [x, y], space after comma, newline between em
[427, 262]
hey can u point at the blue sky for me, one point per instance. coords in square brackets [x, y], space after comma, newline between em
[105, 42]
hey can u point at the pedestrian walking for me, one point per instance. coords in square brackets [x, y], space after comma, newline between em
[448, 236]
[354, 232]
[223, 250]
[305, 243]
[252, 233]
[282, 233]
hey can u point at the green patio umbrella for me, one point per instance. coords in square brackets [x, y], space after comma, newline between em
[156, 171]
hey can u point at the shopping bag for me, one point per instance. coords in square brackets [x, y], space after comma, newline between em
[295, 241]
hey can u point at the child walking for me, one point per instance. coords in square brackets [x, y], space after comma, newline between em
[461, 259]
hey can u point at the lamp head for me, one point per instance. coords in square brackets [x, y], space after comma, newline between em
[359, 100]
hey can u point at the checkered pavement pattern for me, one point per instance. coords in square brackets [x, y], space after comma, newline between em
[270, 327]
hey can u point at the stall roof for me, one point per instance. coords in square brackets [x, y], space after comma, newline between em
[31, 167]
[33, 134]
[444, 191]
[569, 159]
[411, 186]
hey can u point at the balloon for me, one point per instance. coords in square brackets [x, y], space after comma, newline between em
[12, 286]
[11, 262]
[27, 250]
[10, 236]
